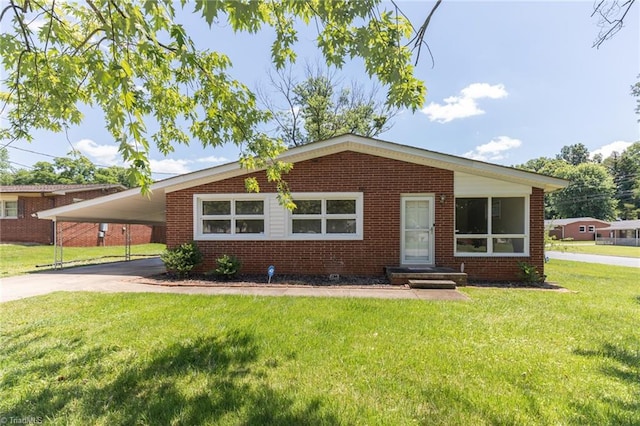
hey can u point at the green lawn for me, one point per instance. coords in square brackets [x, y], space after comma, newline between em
[590, 247]
[19, 258]
[508, 357]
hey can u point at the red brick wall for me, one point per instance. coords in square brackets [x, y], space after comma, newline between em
[382, 181]
[30, 229]
[26, 228]
[75, 234]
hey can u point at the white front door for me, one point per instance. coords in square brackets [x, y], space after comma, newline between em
[417, 230]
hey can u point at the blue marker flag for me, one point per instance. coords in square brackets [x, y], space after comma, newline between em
[270, 271]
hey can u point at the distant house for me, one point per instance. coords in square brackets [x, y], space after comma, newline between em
[620, 233]
[577, 228]
[363, 206]
[19, 223]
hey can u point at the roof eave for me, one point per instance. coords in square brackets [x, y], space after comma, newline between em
[372, 147]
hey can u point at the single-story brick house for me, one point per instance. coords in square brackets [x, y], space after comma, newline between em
[19, 223]
[620, 233]
[576, 228]
[362, 205]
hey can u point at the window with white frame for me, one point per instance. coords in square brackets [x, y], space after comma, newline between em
[582, 229]
[327, 216]
[9, 209]
[592, 229]
[222, 216]
[496, 226]
[317, 216]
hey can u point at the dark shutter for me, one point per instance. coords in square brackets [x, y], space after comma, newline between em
[21, 208]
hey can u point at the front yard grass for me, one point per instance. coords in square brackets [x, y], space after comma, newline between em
[510, 356]
[18, 259]
[590, 247]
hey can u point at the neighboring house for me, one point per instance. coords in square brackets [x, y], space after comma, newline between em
[577, 228]
[620, 233]
[362, 205]
[19, 223]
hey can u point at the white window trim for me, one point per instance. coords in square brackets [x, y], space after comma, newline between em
[582, 229]
[198, 218]
[489, 236]
[592, 229]
[278, 220]
[3, 208]
[324, 196]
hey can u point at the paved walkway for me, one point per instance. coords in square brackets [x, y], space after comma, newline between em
[595, 258]
[121, 277]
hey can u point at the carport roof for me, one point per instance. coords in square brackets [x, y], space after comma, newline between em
[132, 207]
[122, 207]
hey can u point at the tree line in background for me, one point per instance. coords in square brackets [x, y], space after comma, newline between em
[75, 169]
[602, 188]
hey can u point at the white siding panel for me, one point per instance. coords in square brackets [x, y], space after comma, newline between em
[277, 218]
[467, 185]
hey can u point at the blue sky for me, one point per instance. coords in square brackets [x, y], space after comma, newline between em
[511, 81]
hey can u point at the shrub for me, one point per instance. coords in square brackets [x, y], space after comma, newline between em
[530, 274]
[227, 266]
[182, 259]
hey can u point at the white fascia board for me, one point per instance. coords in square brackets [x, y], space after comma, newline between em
[372, 147]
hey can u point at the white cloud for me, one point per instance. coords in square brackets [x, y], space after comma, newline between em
[607, 150]
[464, 105]
[484, 90]
[169, 165]
[213, 159]
[494, 150]
[108, 155]
[104, 155]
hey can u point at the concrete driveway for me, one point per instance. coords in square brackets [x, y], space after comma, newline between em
[121, 277]
[595, 258]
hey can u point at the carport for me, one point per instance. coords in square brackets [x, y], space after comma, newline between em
[129, 207]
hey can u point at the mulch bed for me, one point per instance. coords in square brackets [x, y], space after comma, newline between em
[244, 280]
[250, 280]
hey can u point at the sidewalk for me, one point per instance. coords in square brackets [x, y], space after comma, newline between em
[595, 258]
[121, 276]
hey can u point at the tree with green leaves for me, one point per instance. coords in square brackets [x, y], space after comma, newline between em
[551, 167]
[133, 60]
[321, 106]
[625, 169]
[590, 193]
[574, 154]
[6, 171]
[41, 173]
[74, 169]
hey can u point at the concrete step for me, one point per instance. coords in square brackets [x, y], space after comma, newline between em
[401, 276]
[433, 284]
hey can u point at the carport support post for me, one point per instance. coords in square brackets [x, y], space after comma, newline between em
[127, 242]
[57, 250]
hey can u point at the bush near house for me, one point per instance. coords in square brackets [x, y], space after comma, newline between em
[227, 266]
[183, 259]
